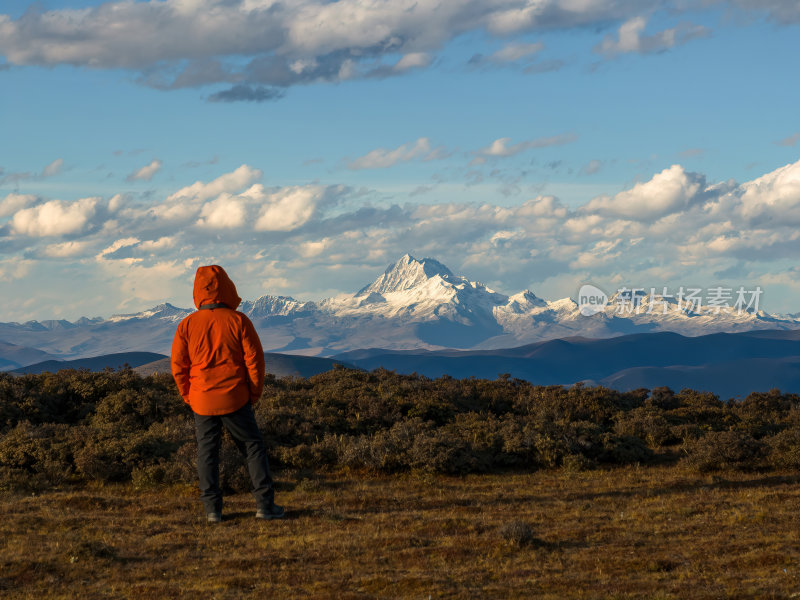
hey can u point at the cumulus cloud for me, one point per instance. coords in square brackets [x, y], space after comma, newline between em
[774, 198]
[226, 212]
[256, 46]
[55, 218]
[673, 225]
[670, 191]
[289, 208]
[228, 183]
[382, 158]
[631, 38]
[146, 172]
[14, 202]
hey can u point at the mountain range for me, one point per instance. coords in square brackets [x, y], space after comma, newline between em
[728, 364]
[416, 304]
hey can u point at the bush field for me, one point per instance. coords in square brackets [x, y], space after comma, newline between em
[73, 427]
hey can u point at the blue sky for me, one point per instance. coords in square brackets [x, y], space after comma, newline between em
[306, 145]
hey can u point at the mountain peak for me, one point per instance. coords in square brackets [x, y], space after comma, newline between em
[406, 273]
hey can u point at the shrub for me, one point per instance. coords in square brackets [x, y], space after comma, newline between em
[624, 449]
[719, 450]
[517, 533]
[44, 451]
[438, 452]
[102, 460]
[647, 423]
[784, 448]
[495, 442]
[763, 414]
[555, 441]
[75, 426]
[662, 398]
[703, 409]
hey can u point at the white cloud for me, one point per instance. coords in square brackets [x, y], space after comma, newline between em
[382, 158]
[69, 249]
[142, 285]
[413, 60]
[500, 148]
[146, 172]
[514, 52]
[630, 38]
[774, 197]
[14, 202]
[116, 203]
[673, 225]
[226, 212]
[121, 243]
[55, 217]
[54, 168]
[158, 245]
[15, 269]
[227, 183]
[670, 191]
[185, 43]
[290, 208]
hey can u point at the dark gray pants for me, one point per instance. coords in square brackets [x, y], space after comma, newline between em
[245, 433]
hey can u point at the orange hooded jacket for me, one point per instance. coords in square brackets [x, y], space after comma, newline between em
[217, 358]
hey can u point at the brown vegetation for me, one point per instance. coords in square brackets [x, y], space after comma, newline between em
[402, 486]
[619, 532]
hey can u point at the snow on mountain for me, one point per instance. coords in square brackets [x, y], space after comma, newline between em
[407, 273]
[267, 306]
[414, 304]
[419, 290]
[165, 311]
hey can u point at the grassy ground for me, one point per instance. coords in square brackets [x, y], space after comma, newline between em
[655, 532]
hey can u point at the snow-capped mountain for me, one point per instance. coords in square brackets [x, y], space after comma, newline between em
[414, 304]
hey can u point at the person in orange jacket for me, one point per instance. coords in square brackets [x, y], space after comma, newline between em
[218, 365]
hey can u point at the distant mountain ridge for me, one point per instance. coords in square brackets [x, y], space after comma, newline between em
[95, 363]
[414, 304]
[727, 364]
[146, 363]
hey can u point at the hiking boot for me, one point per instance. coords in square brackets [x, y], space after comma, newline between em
[270, 512]
[214, 517]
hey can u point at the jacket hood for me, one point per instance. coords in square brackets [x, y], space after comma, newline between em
[213, 286]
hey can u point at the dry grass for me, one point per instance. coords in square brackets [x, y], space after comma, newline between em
[657, 532]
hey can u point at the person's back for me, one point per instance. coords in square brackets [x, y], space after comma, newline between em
[217, 359]
[218, 366]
